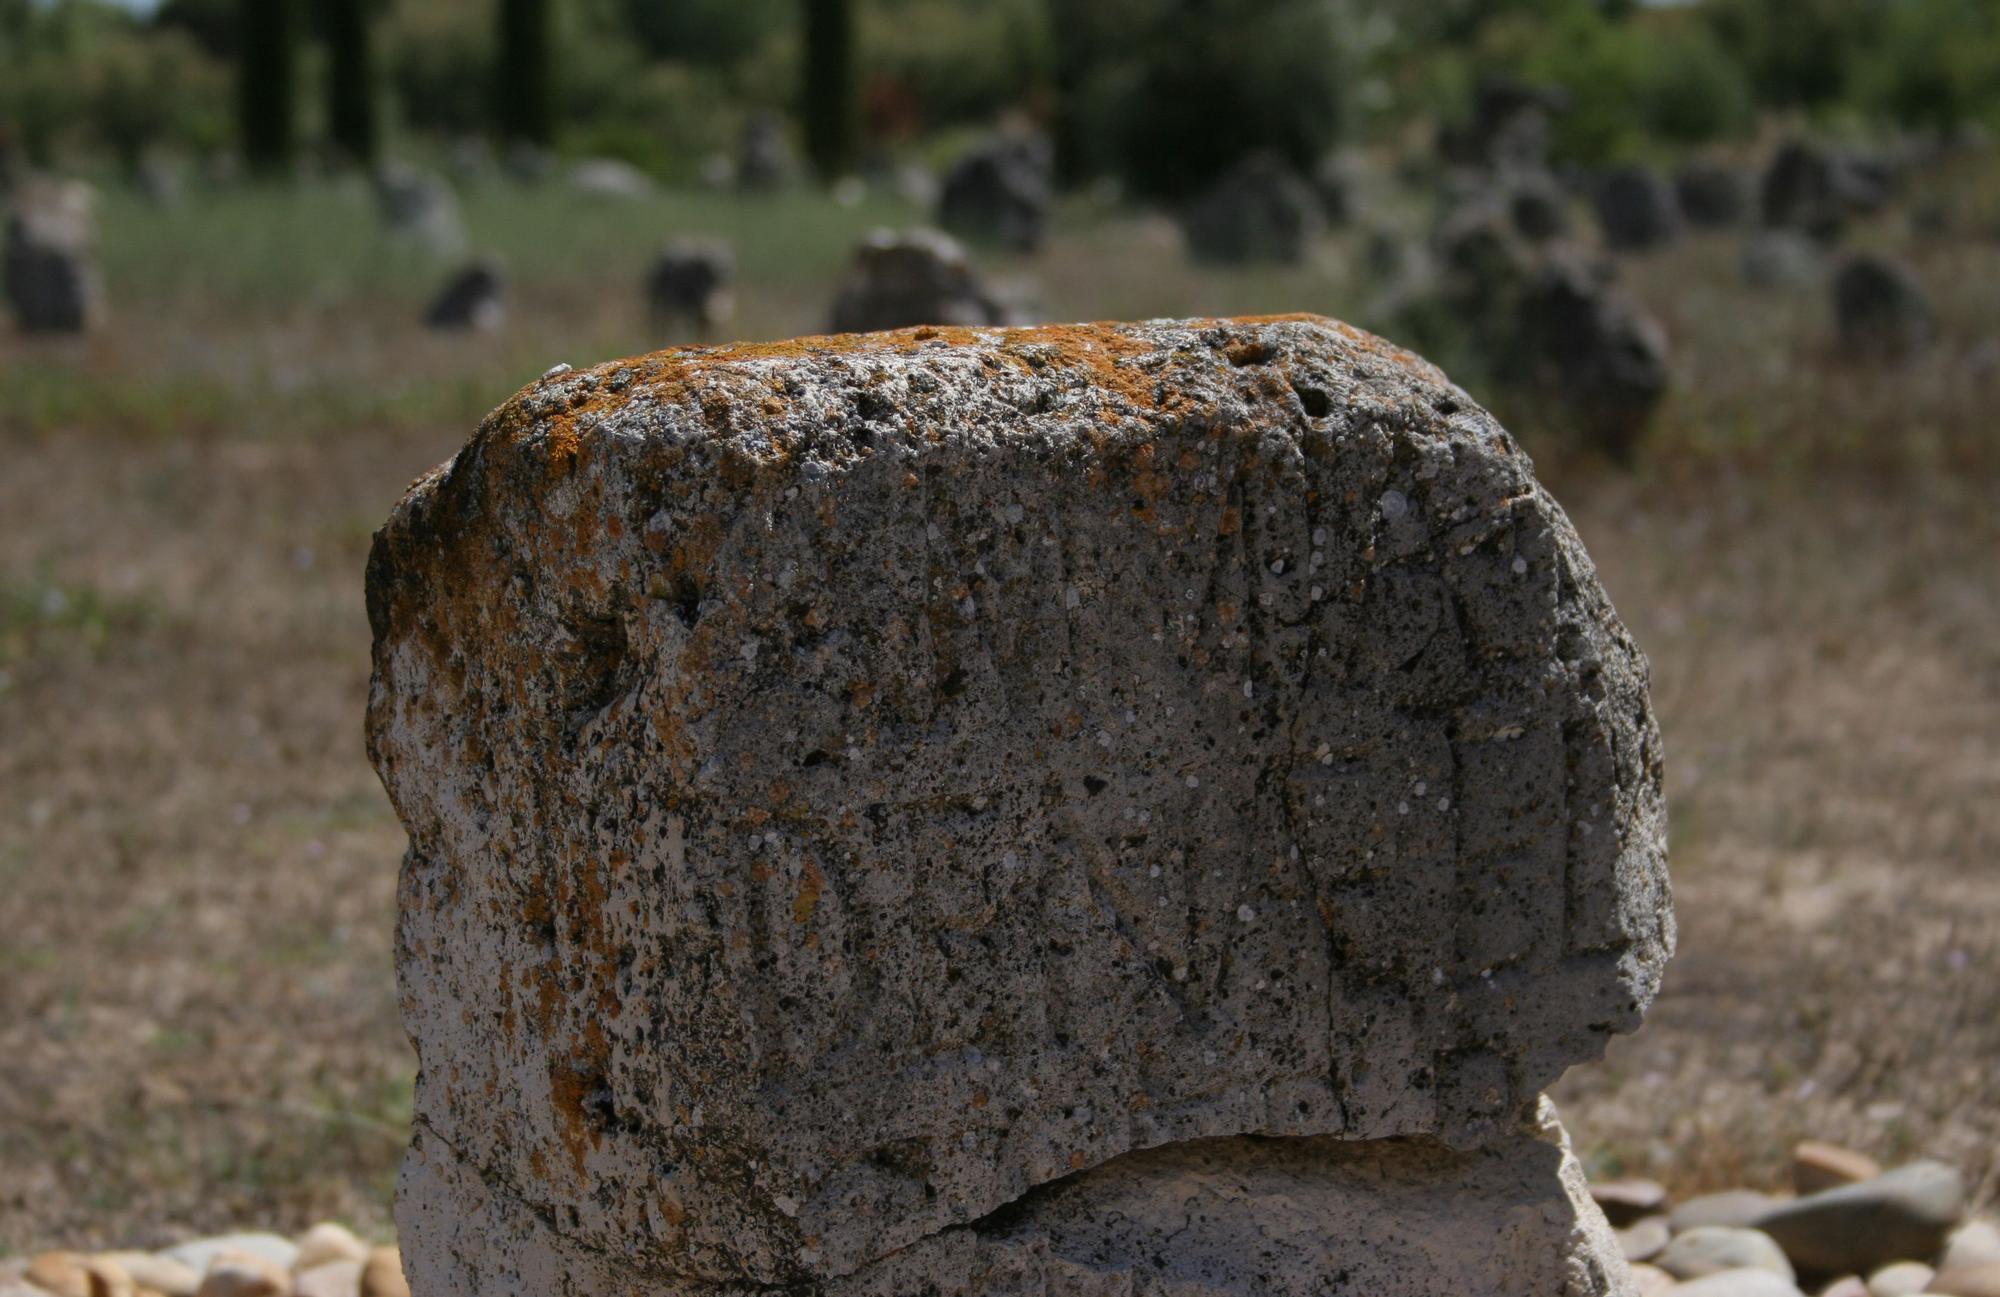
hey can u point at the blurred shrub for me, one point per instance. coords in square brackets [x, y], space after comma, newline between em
[82, 78]
[1801, 53]
[1170, 93]
[1635, 80]
[929, 65]
[1936, 64]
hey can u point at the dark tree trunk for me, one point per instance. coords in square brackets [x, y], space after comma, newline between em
[525, 93]
[265, 101]
[350, 85]
[828, 108]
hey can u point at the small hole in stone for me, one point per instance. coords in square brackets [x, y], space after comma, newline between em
[1317, 403]
[1093, 785]
[813, 758]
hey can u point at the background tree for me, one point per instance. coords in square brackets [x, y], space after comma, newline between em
[829, 107]
[350, 79]
[524, 93]
[266, 69]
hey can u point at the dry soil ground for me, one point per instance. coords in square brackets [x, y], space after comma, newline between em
[197, 1015]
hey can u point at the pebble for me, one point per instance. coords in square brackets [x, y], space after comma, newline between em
[1711, 1249]
[1971, 1244]
[160, 1274]
[382, 1276]
[1858, 1228]
[280, 1252]
[1817, 1165]
[1900, 1279]
[1731, 1209]
[1738, 1283]
[1982, 1280]
[1643, 1240]
[19, 1288]
[241, 1274]
[71, 1274]
[332, 1279]
[328, 1241]
[1845, 1286]
[1651, 1281]
[1625, 1201]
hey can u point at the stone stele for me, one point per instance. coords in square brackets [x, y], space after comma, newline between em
[918, 812]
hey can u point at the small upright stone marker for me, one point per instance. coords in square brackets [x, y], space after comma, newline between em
[48, 266]
[1062, 811]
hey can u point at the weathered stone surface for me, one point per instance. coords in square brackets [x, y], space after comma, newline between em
[1000, 192]
[854, 782]
[48, 268]
[1276, 1218]
[914, 278]
[692, 283]
[1258, 210]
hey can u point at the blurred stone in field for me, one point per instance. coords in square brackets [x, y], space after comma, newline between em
[1259, 210]
[475, 297]
[1341, 179]
[1781, 259]
[692, 283]
[1815, 189]
[1509, 127]
[1000, 193]
[1714, 195]
[530, 164]
[1901, 1215]
[915, 277]
[161, 179]
[420, 208]
[1819, 1165]
[1594, 349]
[1636, 208]
[850, 779]
[469, 159]
[611, 178]
[1538, 205]
[49, 266]
[1976, 1242]
[1880, 307]
[764, 158]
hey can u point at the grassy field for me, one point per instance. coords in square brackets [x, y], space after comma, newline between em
[197, 1016]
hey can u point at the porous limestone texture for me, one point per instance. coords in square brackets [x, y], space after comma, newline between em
[1313, 1217]
[853, 783]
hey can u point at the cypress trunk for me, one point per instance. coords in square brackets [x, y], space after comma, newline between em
[828, 100]
[265, 101]
[525, 90]
[350, 86]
